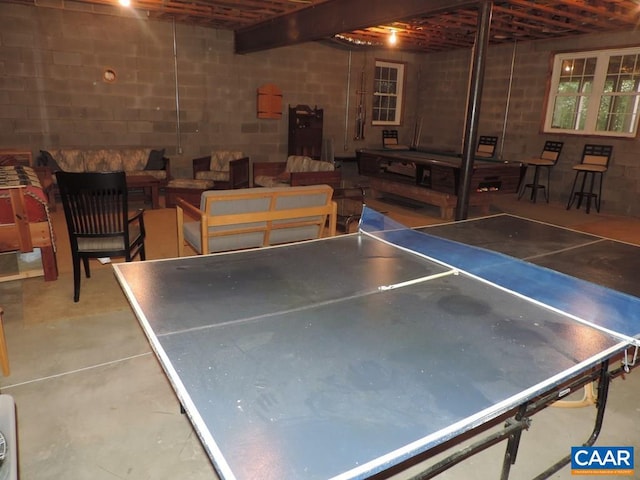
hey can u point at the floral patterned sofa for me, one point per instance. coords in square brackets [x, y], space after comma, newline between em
[297, 170]
[133, 161]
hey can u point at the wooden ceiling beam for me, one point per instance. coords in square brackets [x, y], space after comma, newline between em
[539, 21]
[333, 17]
[570, 12]
[629, 10]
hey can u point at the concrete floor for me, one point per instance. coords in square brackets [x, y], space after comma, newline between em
[93, 403]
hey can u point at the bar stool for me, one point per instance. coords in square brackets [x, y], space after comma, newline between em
[547, 160]
[486, 146]
[4, 356]
[595, 161]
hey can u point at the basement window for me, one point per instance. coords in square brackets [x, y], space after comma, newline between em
[595, 93]
[388, 86]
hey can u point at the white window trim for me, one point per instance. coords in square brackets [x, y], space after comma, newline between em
[400, 67]
[593, 98]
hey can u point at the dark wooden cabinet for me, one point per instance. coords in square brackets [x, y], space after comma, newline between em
[305, 131]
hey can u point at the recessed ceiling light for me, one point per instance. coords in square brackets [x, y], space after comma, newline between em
[125, 3]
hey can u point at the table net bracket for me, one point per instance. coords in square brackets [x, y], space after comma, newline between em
[626, 364]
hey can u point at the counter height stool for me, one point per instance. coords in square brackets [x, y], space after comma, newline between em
[547, 160]
[486, 146]
[595, 161]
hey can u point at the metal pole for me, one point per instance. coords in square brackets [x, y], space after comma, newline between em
[473, 108]
[506, 108]
[175, 68]
[346, 107]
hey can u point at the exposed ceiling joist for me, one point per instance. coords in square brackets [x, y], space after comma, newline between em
[420, 25]
[332, 17]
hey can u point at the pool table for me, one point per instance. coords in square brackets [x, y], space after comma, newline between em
[434, 177]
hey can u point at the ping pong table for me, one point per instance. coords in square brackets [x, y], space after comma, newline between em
[359, 355]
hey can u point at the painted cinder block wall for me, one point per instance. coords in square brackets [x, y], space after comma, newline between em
[514, 110]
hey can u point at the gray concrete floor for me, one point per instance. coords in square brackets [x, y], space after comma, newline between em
[93, 402]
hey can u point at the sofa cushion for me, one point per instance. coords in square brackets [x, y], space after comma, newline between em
[155, 160]
[270, 182]
[134, 158]
[45, 159]
[159, 174]
[300, 163]
[71, 160]
[102, 161]
[213, 176]
[220, 160]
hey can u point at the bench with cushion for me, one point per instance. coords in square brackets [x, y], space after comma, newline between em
[255, 217]
[297, 170]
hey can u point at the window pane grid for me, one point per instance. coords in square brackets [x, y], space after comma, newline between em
[607, 83]
[387, 92]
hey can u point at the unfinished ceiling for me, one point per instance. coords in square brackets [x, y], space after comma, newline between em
[420, 26]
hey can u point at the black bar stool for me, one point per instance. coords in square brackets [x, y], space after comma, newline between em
[595, 161]
[547, 160]
[486, 146]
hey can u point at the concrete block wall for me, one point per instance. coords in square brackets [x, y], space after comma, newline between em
[52, 92]
[513, 111]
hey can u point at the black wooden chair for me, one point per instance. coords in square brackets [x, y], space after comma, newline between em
[96, 210]
[547, 160]
[595, 162]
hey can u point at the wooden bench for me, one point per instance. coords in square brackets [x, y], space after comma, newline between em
[445, 201]
[255, 217]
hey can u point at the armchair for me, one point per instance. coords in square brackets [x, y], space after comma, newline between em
[228, 170]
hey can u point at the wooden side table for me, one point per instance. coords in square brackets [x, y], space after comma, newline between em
[149, 184]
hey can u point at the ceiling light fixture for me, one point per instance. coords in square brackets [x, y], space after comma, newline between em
[392, 37]
[125, 3]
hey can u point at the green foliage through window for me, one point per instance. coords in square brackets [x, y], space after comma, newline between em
[595, 93]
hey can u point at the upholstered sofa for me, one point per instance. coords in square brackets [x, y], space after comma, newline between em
[227, 169]
[297, 170]
[255, 217]
[133, 161]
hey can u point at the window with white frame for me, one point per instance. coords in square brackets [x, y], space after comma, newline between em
[595, 93]
[388, 86]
